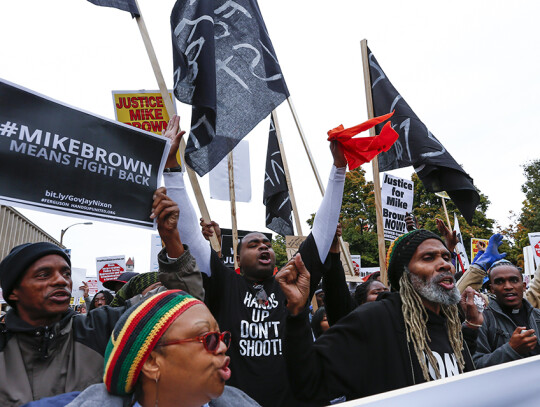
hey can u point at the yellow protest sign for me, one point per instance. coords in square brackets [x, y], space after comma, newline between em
[144, 109]
[477, 245]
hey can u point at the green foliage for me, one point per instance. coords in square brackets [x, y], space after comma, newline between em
[278, 244]
[528, 220]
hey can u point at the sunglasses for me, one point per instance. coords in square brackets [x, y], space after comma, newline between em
[210, 340]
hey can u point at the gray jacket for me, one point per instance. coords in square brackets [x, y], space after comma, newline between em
[37, 362]
[97, 396]
[493, 337]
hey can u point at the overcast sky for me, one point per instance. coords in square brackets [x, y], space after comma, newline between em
[469, 69]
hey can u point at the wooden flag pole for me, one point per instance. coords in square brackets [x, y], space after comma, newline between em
[170, 110]
[375, 163]
[344, 248]
[287, 175]
[232, 196]
[446, 213]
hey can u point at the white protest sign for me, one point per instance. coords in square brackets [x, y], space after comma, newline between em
[534, 238]
[357, 263]
[78, 275]
[92, 282]
[219, 176]
[155, 248]
[109, 268]
[397, 199]
[460, 247]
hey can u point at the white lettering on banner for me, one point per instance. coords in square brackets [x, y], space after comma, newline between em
[86, 156]
[260, 337]
[397, 197]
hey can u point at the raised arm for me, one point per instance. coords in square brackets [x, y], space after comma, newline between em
[188, 224]
[327, 217]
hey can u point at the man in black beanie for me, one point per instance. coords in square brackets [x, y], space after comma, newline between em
[46, 348]
[411, 335]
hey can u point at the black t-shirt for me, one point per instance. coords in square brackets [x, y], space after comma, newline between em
[440, 347]
[257, 362]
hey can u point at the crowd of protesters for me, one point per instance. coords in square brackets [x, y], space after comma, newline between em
[197, 333]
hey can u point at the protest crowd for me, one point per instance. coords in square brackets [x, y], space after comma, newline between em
[198, 333]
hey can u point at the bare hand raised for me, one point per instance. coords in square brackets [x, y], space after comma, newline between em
[294, 281]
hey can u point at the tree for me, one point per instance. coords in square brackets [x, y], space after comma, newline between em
[528, 220]
[278, 244]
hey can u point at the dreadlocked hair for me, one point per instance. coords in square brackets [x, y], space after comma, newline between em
[416, 317]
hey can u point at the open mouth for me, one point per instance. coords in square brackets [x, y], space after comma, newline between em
[264, 258]
[510, 296]
[60, 296]
[224, 370]
[447, 283]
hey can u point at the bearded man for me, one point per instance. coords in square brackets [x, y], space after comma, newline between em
[411, 335]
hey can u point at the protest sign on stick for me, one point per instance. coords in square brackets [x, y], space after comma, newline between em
[60, 159]
[534, 238]
[397, 199]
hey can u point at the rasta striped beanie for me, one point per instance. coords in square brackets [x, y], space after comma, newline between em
[401, 251]
[136, 334]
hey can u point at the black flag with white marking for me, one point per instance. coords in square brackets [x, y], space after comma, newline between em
[276, 194]
[417, 147]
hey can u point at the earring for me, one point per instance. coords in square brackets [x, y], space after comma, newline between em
[157, 380]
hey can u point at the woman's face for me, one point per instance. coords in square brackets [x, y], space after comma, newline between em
[187, 370]
[99, 300]
[374, 289]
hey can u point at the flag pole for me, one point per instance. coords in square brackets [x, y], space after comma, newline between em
[287, 174]
[171, 111]
[344, 249]
[232, 196]
[446, 213]
[375, 164]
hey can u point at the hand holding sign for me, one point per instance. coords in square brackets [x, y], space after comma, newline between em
[166, 212]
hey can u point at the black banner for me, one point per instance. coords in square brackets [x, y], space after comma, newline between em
[57, 158]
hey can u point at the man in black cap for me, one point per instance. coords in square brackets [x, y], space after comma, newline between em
[117, 283]
[46, 348]
[409, 336]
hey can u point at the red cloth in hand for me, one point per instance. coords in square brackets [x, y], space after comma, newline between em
[363, 149]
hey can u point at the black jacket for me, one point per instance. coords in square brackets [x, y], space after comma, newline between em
[365, 353]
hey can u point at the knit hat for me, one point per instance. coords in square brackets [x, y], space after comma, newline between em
[401, 251]
[136, 285]
[136, 334]
[15, 264]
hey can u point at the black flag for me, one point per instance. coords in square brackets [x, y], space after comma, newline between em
[276, 194]
[416, 146]
[226, 68]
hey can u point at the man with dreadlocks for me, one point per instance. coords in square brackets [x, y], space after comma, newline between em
[409, 336]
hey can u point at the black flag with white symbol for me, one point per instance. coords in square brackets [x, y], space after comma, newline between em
[226, 68]
[416, 146]
[276, 194]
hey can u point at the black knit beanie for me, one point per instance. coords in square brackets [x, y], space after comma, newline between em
[401, 251]
[15, 264]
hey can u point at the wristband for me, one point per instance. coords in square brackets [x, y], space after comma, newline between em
[471, 324]
[173, 169]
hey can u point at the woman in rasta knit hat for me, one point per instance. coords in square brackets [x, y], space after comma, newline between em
[166, 351]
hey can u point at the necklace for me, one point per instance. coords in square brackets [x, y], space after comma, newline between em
[261, 296]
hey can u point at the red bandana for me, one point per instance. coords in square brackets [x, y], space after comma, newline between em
[363, 149]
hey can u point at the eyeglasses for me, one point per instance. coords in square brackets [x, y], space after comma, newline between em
[210, 340]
